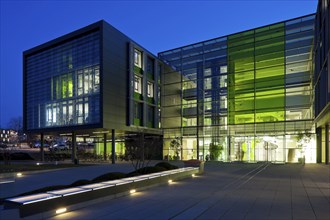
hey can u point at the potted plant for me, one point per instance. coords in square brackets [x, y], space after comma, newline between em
[215, 151]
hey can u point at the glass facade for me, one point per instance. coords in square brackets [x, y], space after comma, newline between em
[64, 84]
[245, 97]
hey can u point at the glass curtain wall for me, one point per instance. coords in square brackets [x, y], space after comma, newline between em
[245, 97]
[64, 84]
[194, 101]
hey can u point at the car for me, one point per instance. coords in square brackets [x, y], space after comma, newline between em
[38, 144]
[58, 147]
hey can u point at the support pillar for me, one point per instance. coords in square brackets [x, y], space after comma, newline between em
[42, 152]
[113, 146]
[74, 149]
[197, 156]
[319, 145]
[105, 146]
[326, 144]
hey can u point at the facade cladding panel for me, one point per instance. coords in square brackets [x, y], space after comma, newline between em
[322, 80]
[63, 84]
[245, 97]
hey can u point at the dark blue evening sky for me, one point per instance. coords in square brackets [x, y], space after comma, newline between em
[156, 25]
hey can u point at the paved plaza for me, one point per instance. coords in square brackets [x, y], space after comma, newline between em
[225, 191]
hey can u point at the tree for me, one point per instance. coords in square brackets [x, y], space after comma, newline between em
[176, 146]
[16, 124]
[140, 149]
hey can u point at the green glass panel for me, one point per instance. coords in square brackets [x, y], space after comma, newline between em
[138, 70]
[137, 96]
[256, 75]
[150, 100]
[64, 86]
[70, 85]
[137, 121]
[58, 88]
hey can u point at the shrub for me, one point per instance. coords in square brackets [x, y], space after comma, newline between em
[80, 183]
[20, 156]
[166, 165]
[109, 176]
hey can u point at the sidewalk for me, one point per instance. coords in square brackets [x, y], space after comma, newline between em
[225, 191]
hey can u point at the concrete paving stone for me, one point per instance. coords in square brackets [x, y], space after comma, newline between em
[280, 213]
[326, 193]
[217, 210]
[261, 207]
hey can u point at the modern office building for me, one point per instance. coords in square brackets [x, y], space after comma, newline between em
[322, 80]
[90, 83]
[257, 95]
[243, 97]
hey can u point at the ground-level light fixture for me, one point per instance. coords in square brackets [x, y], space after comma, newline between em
[170, 181]
[19, 174]
[193, 175]
[61, 210]
[132, 191]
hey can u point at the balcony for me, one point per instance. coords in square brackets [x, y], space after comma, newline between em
[189, 94]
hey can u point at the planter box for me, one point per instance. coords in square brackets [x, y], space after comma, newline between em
[195, 163]
[77, 197]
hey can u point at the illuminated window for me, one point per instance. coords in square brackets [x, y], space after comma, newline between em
[80, 82]
[223, 69]
[207, 83]
[70, 112]
[96, 80]
[223, 81]
[207, 72]
[137, 58]
[150, 89]
[208, 105]
[64, 117]
[138, 84]
[86, 81]
[86, 110]
[49, 115]
[207, 121]
[79, 112]
[190, 122]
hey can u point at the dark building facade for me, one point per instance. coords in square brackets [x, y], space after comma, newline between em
[322, 80]
[90, 83]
